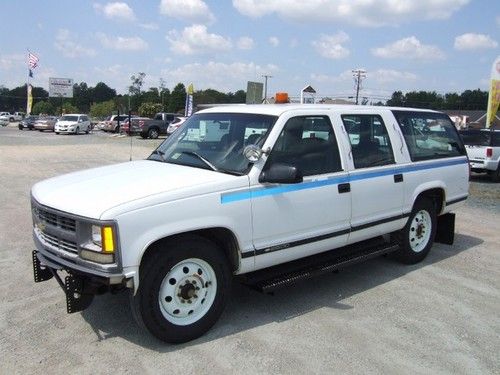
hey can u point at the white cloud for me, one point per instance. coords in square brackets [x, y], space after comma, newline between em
[66, 43]
[409, 48]
[471, 41]
[7, 62]
[330, 46]
[187, 10]
[274, 41]
[383, 76]
[324, 78]
[371, 13]
[115, 11]
[196, 40]
[245, 42]
[220, 76]
[121, 43]
[149, 26]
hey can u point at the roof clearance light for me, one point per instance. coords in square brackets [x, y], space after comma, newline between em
[281, 97]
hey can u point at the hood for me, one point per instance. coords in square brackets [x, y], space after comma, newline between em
[92, 192]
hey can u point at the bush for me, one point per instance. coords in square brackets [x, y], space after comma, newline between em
[150, 109]
[103, 109]
[43, 107]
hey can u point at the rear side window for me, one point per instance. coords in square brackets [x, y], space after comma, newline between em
[429, 135]
[475, 137]
[369, 140]
[495, 139]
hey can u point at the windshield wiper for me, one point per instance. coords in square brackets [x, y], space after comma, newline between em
[160, 153]
[192, 153]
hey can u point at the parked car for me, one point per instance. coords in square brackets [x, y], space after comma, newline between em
[11, 117]
[111, 123]
[158, 125]
[174, 125]
[45, 123]
[137, 124]
[270, 194]
[28, 122]
[73, 123]
[483, 149]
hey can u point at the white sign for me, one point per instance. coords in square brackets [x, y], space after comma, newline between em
[61, 87]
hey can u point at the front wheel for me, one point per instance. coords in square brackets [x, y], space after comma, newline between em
[183, 289]
[153, 133]
[77, 130]
[417, 237]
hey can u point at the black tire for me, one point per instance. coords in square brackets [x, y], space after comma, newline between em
[416, 238]
[162, 265]
[20, 127]
[495, 175]
[56, 132]
[153, 133]
[77, 130]
[116, 130]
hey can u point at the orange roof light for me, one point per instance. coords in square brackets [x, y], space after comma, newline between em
[282, 97]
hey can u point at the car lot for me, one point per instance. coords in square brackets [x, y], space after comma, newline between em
[439, 316]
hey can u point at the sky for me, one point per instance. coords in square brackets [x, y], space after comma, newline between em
[432, 45]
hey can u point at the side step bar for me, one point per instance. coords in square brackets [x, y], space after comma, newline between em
[273, 278]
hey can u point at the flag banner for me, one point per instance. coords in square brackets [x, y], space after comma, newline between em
[32, 60]
[188, 108]
[494, 96]
[30, 100]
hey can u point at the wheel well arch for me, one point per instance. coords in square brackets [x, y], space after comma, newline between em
[436, 195]
[222, 237]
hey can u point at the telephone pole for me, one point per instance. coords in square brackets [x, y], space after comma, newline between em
[359, 75]
[265, 87]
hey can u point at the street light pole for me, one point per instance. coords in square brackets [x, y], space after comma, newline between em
[265, 86]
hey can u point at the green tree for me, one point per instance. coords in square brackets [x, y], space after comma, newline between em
[104, 109]
[397, 99]
[150, 109]
[82, 97]
[177, 99]
[102, 92]
[69, 108]
[44, 107]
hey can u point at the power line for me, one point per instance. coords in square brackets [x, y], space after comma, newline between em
[359, 75]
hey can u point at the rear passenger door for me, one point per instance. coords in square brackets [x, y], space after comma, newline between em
[376, 190]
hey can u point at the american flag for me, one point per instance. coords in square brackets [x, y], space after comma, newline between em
[32, 60]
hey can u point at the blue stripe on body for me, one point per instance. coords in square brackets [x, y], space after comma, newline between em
[281, 189]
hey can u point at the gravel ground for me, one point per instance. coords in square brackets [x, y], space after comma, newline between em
[440, 316]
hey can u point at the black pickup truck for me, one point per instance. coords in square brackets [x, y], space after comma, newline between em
[157, 126]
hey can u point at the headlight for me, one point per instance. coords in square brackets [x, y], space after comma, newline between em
[101, 246]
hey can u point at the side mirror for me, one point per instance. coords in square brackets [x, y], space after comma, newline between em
[252, 153]
[281, 174]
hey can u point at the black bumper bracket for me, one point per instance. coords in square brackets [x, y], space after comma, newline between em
[40, 273]
[76, 299]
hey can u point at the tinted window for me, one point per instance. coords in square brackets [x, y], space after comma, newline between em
[429, 135]
[495, 139]
[69, 118]
[307, 142]
[370, 142]
[475, 137]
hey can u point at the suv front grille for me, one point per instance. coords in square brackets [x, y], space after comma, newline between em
[55, 220]
[59, 243]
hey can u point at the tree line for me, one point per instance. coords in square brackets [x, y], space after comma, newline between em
[102, 100]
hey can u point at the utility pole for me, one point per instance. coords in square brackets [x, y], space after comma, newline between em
[265, 87]
[358, 74]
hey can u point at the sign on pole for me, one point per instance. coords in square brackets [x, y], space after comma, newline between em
[61, 87]
[254, 92]
[494, 96]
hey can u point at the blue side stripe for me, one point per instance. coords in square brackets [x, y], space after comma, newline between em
[281, 189]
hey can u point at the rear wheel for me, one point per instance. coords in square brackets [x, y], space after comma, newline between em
[417, 237]
[183, 289]
[153, 133]
[495, 175]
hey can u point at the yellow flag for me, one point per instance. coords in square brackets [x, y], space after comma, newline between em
[494, 97]
[190, 89]
[30, 101]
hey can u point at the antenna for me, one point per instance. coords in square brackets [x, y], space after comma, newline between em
[130, 131]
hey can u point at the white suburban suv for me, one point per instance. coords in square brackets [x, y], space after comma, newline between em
[73, 123]
[270, 194]
[483, 149]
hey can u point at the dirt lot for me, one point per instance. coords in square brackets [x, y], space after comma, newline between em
[440, 316]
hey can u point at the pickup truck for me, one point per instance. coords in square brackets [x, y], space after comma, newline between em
[265, 194]
[483, 149]
[11, 117]
[157, 126]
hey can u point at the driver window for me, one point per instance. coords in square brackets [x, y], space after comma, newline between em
[308, 143]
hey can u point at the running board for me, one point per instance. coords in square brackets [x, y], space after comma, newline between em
[273, 278]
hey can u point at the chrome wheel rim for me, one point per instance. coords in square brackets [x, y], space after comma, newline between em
[420, 231]
[188, 291]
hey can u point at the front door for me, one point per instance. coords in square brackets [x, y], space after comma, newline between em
[295, 220]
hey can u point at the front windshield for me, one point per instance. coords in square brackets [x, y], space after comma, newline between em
[215, 141]
[69, 118]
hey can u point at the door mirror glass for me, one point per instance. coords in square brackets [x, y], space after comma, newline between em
[281, 174]
[252, 153]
